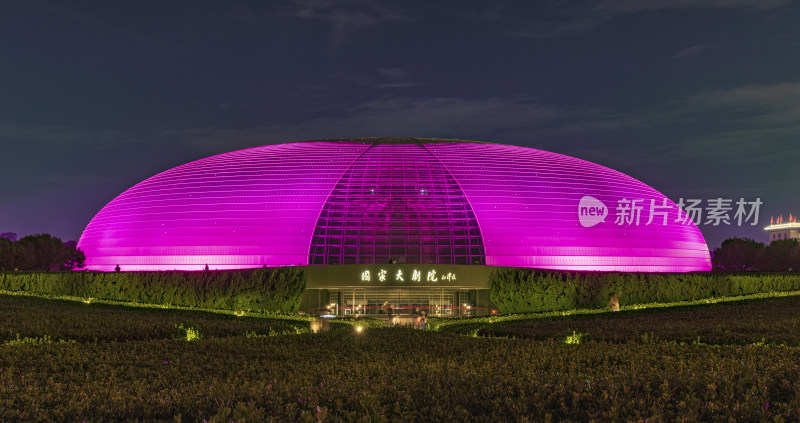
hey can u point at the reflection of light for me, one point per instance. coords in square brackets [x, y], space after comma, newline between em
[575, 338]
[783, 226]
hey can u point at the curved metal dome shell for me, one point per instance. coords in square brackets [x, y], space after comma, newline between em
[371, 200]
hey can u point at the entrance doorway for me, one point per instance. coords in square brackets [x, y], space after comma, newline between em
[383, 302]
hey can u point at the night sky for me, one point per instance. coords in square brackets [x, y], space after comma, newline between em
[699, 99]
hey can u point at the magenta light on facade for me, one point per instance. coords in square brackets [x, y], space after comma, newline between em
[374, 200]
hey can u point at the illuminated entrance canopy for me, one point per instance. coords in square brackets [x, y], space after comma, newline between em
[346, 290]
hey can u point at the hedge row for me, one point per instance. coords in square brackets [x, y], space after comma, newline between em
[525, 290]
[267, 289]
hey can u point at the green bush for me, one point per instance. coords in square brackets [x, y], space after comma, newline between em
[771, 321]
[273, 289]
[527, 291]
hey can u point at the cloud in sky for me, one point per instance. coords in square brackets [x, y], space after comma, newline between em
[553, 18]
[692, 51]
[60, 135]
[748, 146]
[386, 116]
[64, 158]
[733, 122]
[380, 78]
[395, 78]
[762, 122]
[105, 26]
[767, 104]
[348, 17]
[744, 115]
[578, 17]
[746, 126]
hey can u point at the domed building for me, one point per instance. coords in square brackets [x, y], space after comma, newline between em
[406, 206]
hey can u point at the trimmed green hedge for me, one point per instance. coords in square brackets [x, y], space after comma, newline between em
[268, 289]
[526, 290]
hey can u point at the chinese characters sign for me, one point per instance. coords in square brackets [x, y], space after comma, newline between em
[400, 275]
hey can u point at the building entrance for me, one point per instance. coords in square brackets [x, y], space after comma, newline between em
[383, 302]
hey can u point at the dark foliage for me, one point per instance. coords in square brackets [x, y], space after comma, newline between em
[268, 289]
[771, 321]
[775, 257]
[39, 252]
[526, 290]
[736, 254]
[380, 375]
[794, 259]
[31, 317]
[7, 254]
[742, 254]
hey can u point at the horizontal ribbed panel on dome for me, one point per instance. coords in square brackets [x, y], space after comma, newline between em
[526, 202]
[503, 205]
[244, 209]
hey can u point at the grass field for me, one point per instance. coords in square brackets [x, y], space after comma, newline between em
[64, 360]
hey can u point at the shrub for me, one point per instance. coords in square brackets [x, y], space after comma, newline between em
[273, 289]
[527, 290]
[736, 254]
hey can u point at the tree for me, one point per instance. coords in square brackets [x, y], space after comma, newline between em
[75, 260]
[736, 254]
[8, 252]
[40, 252]
[794, 259]
[775, 256]
[11, 236]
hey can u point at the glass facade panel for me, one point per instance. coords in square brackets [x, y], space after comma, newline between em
[403, 206]
[384, 302]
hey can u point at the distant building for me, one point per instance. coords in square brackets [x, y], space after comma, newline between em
[780, 229]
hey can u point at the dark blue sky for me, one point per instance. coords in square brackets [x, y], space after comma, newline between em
[698, 99]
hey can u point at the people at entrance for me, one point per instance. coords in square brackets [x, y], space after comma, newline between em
[421, 322]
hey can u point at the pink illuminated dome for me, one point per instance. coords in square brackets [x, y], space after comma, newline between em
[404, 200]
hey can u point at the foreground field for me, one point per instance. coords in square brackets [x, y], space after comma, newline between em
[773, 321]
[139, 365]
[32, 318]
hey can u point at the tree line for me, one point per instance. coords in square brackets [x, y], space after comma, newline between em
[743, 254]
[39, 252]
[46, 252]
